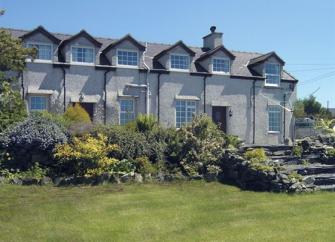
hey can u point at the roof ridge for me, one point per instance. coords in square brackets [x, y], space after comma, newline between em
[248, 52]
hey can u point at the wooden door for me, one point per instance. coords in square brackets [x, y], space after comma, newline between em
[219, 116]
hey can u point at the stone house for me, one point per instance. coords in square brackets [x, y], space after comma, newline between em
[248, 94]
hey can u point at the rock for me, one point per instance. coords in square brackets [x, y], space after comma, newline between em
[160, 177]
[15, 181]
[138, 178]
[147, 177]
[2, 180]
[46, 181]
[309, 180]
[57, 181]
[196, 177]
[115, 179]
[103, 178]
[30, 181]
[210, 177]
[127, 177]
[306, 144]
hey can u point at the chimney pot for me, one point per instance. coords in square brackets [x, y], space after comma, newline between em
[213, 28]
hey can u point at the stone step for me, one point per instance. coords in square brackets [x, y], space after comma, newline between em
[312, 169]
[326, 188]
[323, 179]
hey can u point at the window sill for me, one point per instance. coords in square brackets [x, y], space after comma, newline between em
[39, 61]
[271, 86]
[221, 73]
[82, 64]
[179, 70]
[127, 66]
[274, 132]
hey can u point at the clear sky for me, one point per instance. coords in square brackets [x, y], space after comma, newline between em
[302, 32]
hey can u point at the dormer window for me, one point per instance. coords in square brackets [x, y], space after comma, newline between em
[44, 51]
[272, 74]
[179, 62]
[221, 65]
[82, 54]
[127, 58]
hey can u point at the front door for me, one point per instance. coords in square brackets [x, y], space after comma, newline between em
[89, 108]
[219, 116]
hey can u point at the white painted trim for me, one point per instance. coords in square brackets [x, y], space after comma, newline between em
[80, 63]
[42, 43]
[126, 98]
[38, 95]
[177, 69]
[220, 72]
[175, 109]
[127, 66]
[268, 120]
[264, 74]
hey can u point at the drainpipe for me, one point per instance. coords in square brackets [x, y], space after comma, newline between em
[22, 85]
[105, 92]
[254, 111]
[158, 93]
[205, 78]
[64, 87]
[284, 128]
[147, 96]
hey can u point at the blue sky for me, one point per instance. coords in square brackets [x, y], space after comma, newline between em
[302, 32]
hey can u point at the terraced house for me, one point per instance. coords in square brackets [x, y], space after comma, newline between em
[247, 94]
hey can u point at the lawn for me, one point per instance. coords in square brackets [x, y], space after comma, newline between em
[189, 211]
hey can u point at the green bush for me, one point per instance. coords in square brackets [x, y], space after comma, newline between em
[232, 141]
[331, 152]
[77, 114]
[144, 123]
[123, 167]
[131, 144]
[30, 141]
[256, 155]
[144, 166]
[297, 150]
[196, 145]
[85, 155]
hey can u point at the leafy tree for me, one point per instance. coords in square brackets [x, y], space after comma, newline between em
[310, 107]
[12, 60]
[299, 109]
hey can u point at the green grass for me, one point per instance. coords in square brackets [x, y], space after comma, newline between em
[190, 211]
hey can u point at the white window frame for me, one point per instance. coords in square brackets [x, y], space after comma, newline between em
[280, 121]
[82, 63]
[41, 43]
[120, 112]
[176, 69]
[38, 110]
[127, 66]
[265, 74]
[195, 112]
[221, 72]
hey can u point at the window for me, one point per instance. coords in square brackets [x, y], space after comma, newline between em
[184, 112]
[128, 58]
[38, 103]
[272, 74]
[180, 62]
[274, 112]
[221, 65]
[43, 51]
[82, 54]
[127, 113]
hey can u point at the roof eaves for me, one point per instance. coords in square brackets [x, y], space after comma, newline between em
[43, 31]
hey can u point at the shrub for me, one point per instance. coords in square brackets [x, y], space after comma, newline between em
[77, 114]
[196, 145]
[85, 155]
[144, 166]
[144, 123]
[131, 144]
[297, 150]
[232, 141]
[294, 177]
[32, 140]
[256, 155]
[331, 152]
[123, 167]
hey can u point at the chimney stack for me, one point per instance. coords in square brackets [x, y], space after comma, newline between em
[212, 40]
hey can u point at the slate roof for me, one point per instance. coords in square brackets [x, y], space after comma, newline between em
[239, 65]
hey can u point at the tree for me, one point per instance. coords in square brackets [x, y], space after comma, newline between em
[310, 107]
[12, 60]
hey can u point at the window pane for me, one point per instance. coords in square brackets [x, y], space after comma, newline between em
[221, 65]
[127, 113]
[184, 112]
[274, 113]
[38, 103]
[128, 58]
[272, 74]
[43, 51]
[82, 54]
[179, 62]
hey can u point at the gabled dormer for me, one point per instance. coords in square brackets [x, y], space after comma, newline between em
[217, 61]
[177, 57]
[270, 66]
[44, 42]
[125, 52]
[81, 48]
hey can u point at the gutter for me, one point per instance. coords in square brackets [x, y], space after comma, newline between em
[254, 111]
[63, 66]
[147, 93]
[284, 128]
[205, 85]
[22, 85]
[105, 96]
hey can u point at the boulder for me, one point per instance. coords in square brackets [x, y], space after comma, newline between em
[46, 181]
[30, 181]
[15, 181]
[309, 180]
[138, 178]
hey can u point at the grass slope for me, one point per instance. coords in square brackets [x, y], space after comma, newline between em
[190, 211]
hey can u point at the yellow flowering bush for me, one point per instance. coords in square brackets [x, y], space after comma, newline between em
[86, 155]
